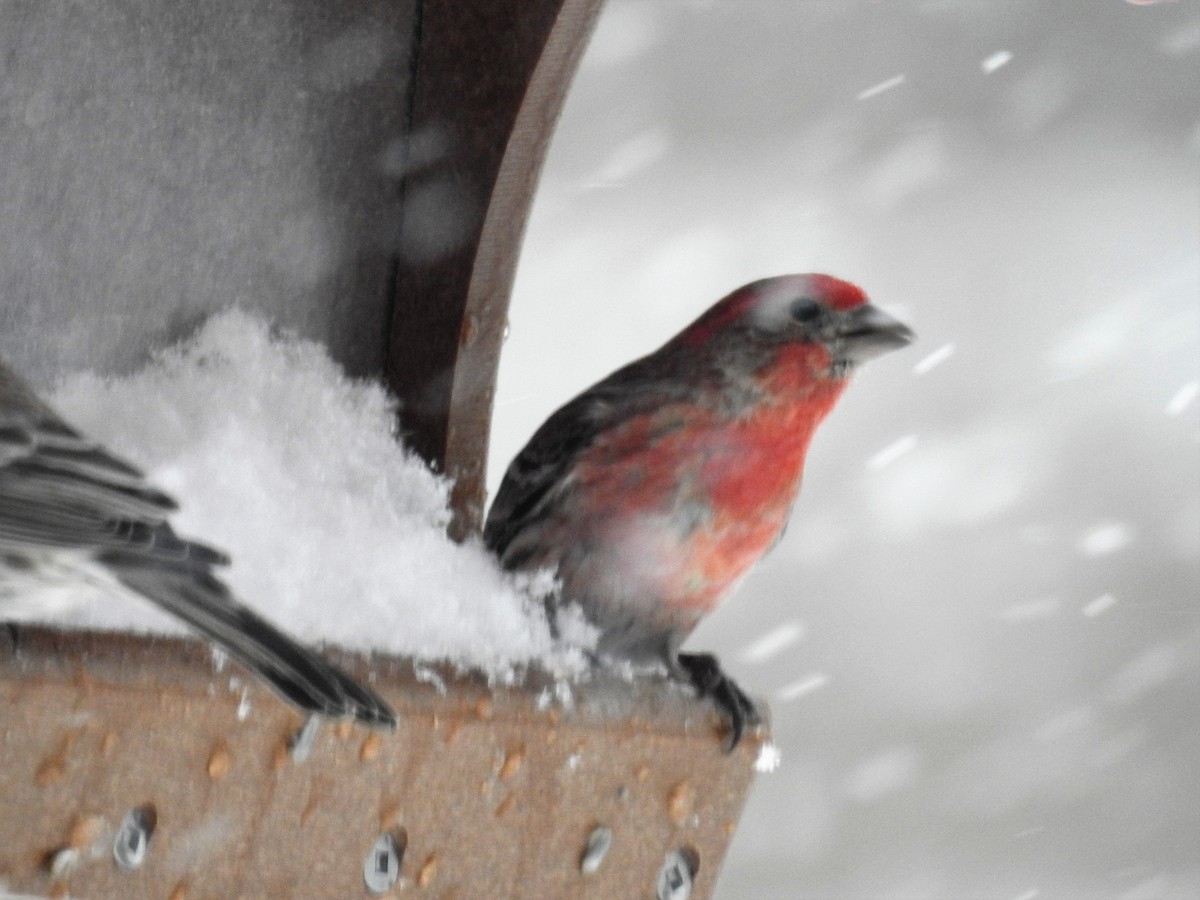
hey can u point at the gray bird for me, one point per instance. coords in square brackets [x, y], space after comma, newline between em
[76, 520]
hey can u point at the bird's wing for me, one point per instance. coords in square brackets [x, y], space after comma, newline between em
[201, 600]
[59, 490]
[542, 469]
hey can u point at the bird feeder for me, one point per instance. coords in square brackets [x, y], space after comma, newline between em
[362, 174]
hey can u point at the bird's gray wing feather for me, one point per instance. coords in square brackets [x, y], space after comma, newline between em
[58, 490]
[538, 474]
[201, 600]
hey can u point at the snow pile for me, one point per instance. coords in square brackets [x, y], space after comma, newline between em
[336, 533]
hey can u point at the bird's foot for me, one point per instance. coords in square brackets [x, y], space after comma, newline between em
[709, 680]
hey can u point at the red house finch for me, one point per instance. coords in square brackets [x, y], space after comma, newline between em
[653, 492]
[75, 520]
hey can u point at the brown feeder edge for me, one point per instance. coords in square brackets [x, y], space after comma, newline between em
[449, 317]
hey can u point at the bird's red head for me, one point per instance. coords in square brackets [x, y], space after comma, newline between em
[810, 308]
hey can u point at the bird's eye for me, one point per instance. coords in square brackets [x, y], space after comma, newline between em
[805, 309]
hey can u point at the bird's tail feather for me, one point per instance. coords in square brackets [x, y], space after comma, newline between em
[299, 674]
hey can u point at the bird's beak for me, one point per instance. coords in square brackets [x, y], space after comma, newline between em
[866, 332]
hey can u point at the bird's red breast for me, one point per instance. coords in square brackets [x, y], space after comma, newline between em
[693, 495]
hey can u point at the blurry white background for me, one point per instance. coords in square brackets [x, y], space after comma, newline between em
[980, 638]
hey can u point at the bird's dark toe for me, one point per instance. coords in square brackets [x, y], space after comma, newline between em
[709, 679]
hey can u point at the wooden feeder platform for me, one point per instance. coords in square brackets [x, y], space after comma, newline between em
[483, 792]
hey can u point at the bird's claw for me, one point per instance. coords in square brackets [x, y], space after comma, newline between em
[710, 680]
